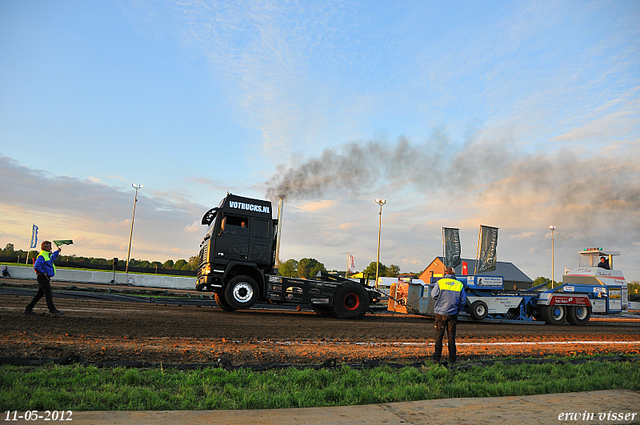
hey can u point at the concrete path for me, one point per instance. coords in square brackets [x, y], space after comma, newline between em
[594, 407]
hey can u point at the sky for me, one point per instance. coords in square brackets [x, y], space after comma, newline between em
[512, 114]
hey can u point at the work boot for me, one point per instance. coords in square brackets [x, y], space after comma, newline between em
[56, 313]
[29, 312]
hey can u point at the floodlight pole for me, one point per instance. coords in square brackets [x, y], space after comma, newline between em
[380, 202]
[133, 216]
[553, 256]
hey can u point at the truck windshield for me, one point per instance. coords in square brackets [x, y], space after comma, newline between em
[588, 260]
[211, 227]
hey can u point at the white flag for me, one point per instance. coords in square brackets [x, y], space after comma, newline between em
[34, 237]
[352, 263]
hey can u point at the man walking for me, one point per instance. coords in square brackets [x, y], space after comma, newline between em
[450, 299]
[45, 269]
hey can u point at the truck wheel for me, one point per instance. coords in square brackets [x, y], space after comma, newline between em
[351, 301]
[222, 303]
[554, 314]
[578, 315]
[241, 292]
[479, 310]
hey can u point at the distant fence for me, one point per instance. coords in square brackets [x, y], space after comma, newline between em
[120, 267]
[105, 277]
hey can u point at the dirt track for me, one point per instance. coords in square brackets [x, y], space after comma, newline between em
[107, 331]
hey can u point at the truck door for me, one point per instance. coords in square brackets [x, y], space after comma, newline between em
[260, 247]
[233, 238]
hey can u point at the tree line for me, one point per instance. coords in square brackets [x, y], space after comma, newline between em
[308, 268]
[182, 264]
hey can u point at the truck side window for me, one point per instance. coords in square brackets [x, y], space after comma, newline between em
[235, 225]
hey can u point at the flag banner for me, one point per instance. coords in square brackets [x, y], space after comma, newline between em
[352, 263]
[34, 237]
[61, 242]
[451, 242]
[487, 247]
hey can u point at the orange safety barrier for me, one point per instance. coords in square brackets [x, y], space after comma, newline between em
[398, 297]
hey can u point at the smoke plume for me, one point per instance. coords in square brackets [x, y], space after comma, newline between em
[588, 191]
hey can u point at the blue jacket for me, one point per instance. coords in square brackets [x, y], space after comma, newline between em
[449, 295]
[44, 263]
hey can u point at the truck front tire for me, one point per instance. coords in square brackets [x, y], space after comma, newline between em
[222, 303]
[241, 292]
[351, 301]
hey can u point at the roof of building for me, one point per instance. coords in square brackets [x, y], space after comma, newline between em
[507, 270]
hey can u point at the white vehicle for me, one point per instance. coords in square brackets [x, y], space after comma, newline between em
[608, 290]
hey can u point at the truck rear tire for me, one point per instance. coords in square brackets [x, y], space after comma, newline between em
[479, 310]
[222, 303]
[351, 301]
[241, 292]
[554, 314]
[578, 315]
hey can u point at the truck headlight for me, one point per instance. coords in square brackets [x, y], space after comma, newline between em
[206, 269]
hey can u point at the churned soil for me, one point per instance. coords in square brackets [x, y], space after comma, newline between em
[99, 330]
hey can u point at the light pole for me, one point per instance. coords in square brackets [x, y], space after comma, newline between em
[133, 216]
[553, 256]
[380, 202]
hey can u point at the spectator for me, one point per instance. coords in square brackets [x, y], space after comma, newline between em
[45, 269]
[450, 299]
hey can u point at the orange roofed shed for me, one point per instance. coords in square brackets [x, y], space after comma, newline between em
[436, 269]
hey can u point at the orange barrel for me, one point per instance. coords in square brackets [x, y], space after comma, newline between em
[391, 305]
[401, 297]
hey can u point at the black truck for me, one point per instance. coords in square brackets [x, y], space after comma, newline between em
[237, 262]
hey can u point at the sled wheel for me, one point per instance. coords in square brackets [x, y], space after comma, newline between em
[554, 314]
[479, 310]
[578, 315]
[222, 303]
[351, 301]
[241, 292]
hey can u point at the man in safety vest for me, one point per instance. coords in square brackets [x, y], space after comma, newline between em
[450, 298]
[45, 269]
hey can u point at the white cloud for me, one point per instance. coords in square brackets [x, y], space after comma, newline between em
[98, 217]
[524, 235]
[195, 227]
[315, 206]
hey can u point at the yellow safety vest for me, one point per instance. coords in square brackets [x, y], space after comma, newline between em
[47, 257]
[449, 284]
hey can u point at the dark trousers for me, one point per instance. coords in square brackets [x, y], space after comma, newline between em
[44, 284]
[449, 324]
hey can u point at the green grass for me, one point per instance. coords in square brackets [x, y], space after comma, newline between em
[89, 388]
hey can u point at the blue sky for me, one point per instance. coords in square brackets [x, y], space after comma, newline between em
[516, 114]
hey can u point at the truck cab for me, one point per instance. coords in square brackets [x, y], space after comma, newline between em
[237, 251]
[607, 287]
[237, 259]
